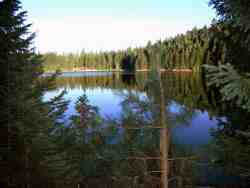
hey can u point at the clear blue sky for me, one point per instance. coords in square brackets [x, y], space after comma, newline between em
[169, 17]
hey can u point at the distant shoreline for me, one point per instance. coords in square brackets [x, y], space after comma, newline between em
[140, 70]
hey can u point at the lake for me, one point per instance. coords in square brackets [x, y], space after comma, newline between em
[156, 133]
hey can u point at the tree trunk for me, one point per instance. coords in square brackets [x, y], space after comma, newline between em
[164, 139]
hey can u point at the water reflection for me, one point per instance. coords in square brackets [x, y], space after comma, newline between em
[129, 79]
[153, 134]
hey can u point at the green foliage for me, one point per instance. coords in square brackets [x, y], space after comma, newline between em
[26, 121]
[233, 11]
[39, 150]
[232, 139]
[233, 86]
[187, 51]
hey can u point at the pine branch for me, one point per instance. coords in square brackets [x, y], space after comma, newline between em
[232, 85]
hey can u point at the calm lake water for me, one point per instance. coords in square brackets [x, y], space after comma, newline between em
[172, 120]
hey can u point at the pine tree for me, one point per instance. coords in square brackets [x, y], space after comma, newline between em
[234, 83]
[26, 121]
[232, 139]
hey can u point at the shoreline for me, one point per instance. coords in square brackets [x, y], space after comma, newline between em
[140, 70]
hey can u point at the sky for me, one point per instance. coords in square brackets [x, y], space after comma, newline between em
[66, 26]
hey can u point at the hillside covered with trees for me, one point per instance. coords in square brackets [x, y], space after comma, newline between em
[185, 51]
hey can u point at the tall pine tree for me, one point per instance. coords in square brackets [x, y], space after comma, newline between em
[25, 120]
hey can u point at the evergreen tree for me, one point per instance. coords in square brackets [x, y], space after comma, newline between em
[232, 139]
[234, 84]
[26, 121]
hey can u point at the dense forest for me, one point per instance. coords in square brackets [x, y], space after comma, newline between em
[185, 51]
[37, 149]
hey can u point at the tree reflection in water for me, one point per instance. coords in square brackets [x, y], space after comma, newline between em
[136, 149]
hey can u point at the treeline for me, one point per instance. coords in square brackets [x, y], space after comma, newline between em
[185, 51]
[87, 61]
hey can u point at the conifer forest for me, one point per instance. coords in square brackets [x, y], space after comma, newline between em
[174, 113]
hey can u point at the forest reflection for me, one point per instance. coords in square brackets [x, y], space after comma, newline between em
[137, 149]
[186, 88]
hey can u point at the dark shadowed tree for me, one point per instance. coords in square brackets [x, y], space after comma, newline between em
[26, 121]
[232, 79]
